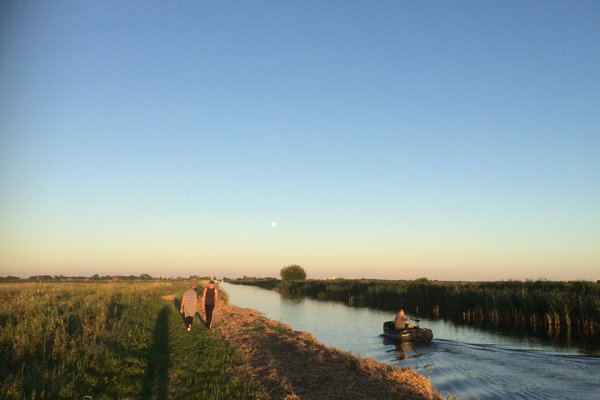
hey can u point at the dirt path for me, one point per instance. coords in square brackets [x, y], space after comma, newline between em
[295, 365]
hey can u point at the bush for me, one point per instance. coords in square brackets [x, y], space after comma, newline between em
[293, 272]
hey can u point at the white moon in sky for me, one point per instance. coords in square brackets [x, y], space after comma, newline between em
[274, 224]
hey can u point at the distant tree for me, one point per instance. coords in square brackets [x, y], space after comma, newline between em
[145, 277]
[40, 278]
[293, 272]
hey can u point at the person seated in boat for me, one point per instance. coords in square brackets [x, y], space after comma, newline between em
[402, 321]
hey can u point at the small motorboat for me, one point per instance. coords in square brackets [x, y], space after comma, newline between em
[416, 334]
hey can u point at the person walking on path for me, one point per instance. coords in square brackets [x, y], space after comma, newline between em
[189, 305]
[209, 300]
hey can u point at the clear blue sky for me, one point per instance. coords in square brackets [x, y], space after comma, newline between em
[389, 139]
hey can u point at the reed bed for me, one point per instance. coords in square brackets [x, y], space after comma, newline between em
[553, 307]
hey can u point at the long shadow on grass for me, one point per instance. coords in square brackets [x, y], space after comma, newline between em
[156, 379]
[177, 304]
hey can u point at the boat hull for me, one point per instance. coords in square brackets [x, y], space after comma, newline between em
[415, 334]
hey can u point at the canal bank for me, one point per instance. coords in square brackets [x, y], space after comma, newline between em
[295, 365]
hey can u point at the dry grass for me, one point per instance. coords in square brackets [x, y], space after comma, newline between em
[295, 365]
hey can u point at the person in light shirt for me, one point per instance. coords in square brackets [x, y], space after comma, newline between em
[189, 306]
[402, 321]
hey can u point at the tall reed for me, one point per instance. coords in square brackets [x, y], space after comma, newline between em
[572, 307]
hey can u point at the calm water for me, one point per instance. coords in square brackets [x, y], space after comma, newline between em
[465, 362]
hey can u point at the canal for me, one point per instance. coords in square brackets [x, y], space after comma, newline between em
[462, 361]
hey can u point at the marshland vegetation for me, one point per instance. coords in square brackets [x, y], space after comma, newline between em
[543, 306]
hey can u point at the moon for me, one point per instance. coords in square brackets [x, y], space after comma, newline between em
[274, 224]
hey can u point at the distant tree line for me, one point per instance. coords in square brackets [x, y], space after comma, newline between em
[97, 277]
[290, 273]
[265, 283]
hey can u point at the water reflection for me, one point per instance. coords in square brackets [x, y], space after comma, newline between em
[406, 350]
[462, 360]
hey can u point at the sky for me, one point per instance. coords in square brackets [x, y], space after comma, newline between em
[359, 139]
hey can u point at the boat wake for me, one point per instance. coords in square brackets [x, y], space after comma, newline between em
[489, 371]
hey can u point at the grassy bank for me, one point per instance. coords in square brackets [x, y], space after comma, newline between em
[110, 340]
[554, 307]
[294, 365]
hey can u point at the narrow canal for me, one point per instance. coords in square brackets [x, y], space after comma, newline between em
[461, 361]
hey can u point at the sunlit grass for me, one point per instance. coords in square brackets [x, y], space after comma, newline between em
[109, 340]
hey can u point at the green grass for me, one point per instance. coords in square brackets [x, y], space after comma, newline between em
[107, 341]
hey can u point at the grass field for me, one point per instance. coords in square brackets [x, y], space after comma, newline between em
[109, 340]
